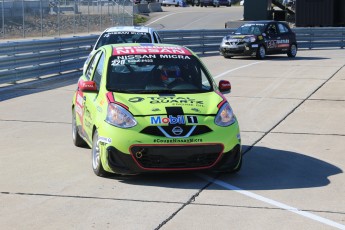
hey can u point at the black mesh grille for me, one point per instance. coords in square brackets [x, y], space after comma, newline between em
[153, 130]
[177, 157]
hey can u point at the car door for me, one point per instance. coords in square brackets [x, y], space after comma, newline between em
[93, 73]
[283, 42]
[272, 37]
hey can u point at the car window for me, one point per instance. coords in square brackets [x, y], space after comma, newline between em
[92, 65]
[123, 37]
[99, 70]
[157, 74]
[256, 29]
[282, 28]
[272, 29]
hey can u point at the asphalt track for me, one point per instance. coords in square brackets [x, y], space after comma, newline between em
[292, 118]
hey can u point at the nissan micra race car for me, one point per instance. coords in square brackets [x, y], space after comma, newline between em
[124, 34]
[152, 108]
[258, 39]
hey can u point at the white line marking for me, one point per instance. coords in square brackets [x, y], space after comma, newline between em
[273, 202]
[170, 15]
[160, 19]
[241, 67]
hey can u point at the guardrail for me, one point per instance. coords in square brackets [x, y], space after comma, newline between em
[34, 59]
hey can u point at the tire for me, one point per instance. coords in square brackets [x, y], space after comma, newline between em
[238, 166]
[261, 52]
[228, 56]
[292, 51]
[77, 139]
[96, 157]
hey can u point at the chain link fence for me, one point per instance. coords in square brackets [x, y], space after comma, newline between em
[45, 18]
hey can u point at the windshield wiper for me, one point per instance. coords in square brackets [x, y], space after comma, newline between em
[121, 90]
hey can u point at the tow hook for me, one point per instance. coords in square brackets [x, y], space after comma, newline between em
[139, 154]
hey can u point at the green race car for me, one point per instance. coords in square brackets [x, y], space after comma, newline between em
[152, 108]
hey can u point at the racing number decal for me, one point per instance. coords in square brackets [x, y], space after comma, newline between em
[272, 44]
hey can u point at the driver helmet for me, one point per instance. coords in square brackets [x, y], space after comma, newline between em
[170, 74]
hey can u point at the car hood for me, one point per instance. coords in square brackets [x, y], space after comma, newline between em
[176, 104]
[238, 36]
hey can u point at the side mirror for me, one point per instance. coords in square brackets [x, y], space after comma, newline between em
[87, 86]
[224, 86]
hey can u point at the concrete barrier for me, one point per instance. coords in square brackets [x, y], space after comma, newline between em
[155, 7]
[135, 9]
[143, 8]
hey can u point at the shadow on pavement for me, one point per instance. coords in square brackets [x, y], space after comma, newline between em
[37, 86]
[263, 169]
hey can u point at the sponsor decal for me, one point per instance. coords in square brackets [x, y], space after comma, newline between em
[123, 32]
[192, 119]
[175, 101]
[80, 99]
[79, 110]
[172, 120]
[178, 140]
[283, 45]
[79, 104]
[195, 110]
[283, 41]
[278, 43]
[136, 99]
[150, 50]
[255, 45]
[106, 140]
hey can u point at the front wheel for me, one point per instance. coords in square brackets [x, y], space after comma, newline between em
[96, 157]
[292, 51]
[261, 52]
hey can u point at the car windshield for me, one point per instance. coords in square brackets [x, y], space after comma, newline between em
[123, 37]
[157, 73]
[255, 29]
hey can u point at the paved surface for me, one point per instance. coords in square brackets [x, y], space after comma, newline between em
[189, 18]
[292, 118]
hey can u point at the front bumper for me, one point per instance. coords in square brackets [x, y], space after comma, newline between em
[148, 151]
[240, 50]
[153, 158]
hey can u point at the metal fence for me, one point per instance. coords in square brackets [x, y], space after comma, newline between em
[45, 18]
[54, 57]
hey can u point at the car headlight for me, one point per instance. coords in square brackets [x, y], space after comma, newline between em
[119, 117]
[225, 116]
[249, 39]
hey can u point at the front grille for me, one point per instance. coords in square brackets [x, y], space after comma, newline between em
[154, 130]
[176, 156]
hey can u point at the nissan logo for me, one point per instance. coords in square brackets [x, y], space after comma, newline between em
[177, 130]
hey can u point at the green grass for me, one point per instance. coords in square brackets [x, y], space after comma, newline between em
[139, 19]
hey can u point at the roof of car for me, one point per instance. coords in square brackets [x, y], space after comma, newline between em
[129, 28]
